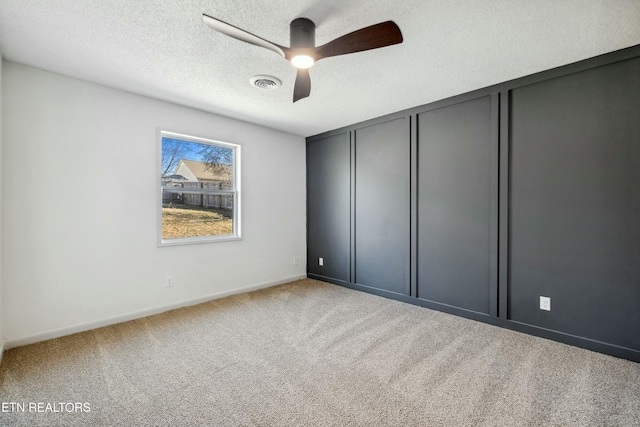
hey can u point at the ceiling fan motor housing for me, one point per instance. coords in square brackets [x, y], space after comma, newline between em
[303, 33]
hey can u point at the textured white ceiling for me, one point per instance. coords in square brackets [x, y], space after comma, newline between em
[161, 48]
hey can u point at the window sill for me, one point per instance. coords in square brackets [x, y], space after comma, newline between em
[197, 240]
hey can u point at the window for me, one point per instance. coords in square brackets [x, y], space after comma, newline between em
[199, 190]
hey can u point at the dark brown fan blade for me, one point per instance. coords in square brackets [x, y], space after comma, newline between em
[302, 88]
[373, 37]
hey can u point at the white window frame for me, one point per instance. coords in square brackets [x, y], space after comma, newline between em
[236, 191]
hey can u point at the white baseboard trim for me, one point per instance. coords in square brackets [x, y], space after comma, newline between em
[57, 333]
[1, 351]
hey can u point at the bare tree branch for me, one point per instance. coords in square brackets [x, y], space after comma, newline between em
[172, 152]
[219, 161]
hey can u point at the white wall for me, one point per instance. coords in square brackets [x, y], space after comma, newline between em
[1, 240]
[81, 198]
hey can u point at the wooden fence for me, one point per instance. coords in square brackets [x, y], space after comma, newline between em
[204, 200]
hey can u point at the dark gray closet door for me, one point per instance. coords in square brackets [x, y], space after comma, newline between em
[454, 204]
[382, 174]
[575, 203]
[328, 206]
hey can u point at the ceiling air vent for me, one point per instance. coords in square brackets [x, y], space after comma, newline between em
[265, 82]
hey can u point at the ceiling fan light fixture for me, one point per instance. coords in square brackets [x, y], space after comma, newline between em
[302, 61]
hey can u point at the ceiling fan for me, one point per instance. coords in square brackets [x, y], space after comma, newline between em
[303, 52]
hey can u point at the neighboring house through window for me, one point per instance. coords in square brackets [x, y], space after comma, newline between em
[200, 189]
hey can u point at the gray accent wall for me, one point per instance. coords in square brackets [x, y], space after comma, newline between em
[575, 203]
[382, 206]
[328, 206]
[454, 204]
[480, 204]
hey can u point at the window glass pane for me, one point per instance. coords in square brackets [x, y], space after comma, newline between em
[181, 221]
[198, 189]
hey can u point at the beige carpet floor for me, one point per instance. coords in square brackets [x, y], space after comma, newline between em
[309, 353]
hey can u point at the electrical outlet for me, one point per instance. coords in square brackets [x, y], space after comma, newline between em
[295, 260]
[545, 303]
[169, 281]
[321, 261]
